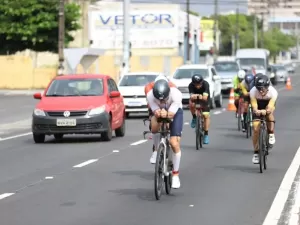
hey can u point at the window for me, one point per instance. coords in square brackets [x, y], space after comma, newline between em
[188, 73]
[112, 85]
[76, 87]
[213, 72]
[226, 67]
[137, 80]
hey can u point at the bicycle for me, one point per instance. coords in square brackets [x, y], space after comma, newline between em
[199, 124]
[240, 113]
[249, 121]
[263, 143]
[163, 166]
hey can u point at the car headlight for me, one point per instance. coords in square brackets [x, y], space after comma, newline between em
[39, 112]
[272, 75]
[97, 111]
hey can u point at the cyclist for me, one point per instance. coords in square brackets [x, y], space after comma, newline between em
[236, 86]
[155, 137]
[263, 100]
[200, 87]
[257, 76]
[166, 102]
[246, 85]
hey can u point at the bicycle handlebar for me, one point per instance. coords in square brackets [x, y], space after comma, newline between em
[159, 132]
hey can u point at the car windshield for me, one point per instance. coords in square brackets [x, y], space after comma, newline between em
[226, 67]
[75, 87]
[188, 73]
[137, 80]
[257, 63]
[279, 67]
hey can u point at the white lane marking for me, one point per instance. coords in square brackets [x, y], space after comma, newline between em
[217, 112]
[115, 151]
[5, 195]
[48, 178]
[224, 109]
[186, 123]
[85, 163]
[191, 205]
[294, 215]
[15, 136]
[281, 197]
[138, 142]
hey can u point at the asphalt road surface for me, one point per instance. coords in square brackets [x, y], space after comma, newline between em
[83, 181]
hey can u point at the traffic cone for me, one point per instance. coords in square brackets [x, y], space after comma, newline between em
[288, 85]
[231, 106]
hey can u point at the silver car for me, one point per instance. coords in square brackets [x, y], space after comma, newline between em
[281, 73]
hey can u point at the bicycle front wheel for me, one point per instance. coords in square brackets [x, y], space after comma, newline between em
[197, 133]
[261, 149]
[159, 172]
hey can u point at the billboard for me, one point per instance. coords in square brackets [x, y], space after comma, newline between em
[206, 34]
[148, 29]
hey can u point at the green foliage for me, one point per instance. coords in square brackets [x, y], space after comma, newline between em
[274, 40]
[33, 24]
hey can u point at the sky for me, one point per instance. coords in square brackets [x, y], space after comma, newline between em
[206, 7]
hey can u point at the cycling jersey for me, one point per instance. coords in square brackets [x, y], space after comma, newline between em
[262, 102]
[204, 90]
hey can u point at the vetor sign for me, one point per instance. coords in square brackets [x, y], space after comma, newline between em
[144, 20]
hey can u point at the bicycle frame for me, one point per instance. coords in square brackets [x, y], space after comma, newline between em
[199, 113]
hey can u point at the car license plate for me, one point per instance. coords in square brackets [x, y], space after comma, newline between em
[135, 104]
[66, 122]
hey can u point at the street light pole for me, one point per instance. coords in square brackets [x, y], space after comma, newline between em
[61, 36]
[126, 34]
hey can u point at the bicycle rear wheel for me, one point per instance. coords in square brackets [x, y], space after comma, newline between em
[159, 173]
[250, 121]
[266, 141]
[261, 149]
[197, 133]
[200, 137]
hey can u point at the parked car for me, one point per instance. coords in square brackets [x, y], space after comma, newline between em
[132, 86]
[182, 78]
[79, 104]
[290, 67]
[227, 70]
[281, 73]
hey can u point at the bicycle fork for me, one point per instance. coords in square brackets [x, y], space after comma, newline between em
[166, 171]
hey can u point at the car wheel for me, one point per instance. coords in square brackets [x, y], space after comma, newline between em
[120, 132]
[107, 136]
[58, 136]
[219, 101]
[39, 138]
[127, 115]
[212, 102]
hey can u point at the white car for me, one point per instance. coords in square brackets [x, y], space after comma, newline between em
[182, 79]
[132, 86]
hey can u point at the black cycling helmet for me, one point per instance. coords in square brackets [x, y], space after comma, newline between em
[249, 78]
[197, 79]
[161, 89]
[257, 76]
[262, 82]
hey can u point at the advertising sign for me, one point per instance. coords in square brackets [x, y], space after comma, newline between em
[207, 34]
[148, 29]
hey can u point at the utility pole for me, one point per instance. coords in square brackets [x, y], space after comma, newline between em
[215, 30]
[126, 34]
[237, 36]
[255, 31]
[61, 36]
[188, 30]
[262, 31]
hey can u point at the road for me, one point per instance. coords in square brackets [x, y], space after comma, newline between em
[48, 184]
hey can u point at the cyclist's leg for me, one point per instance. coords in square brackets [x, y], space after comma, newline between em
[271, 127]
[193, 112]
[206, 116]
[175, 134]
[236, 100]
[153, 135]
[246, 104]
[154, 128]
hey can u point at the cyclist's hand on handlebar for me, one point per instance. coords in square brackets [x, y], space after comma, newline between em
[263, 112]
[163, 113]
[194, 96]
[269, 110]
[157, 113]
[200, 97]
[257, 112]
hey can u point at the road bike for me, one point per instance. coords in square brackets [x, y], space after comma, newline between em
[263, 143]
[163, 165]
[240, 113]
[249, 121]
[199, 124]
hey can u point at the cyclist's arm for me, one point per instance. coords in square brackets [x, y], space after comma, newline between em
[191, 89]
[176, 96]
[151, 102]
[253, 99]
[206, 91]
[235, 83]
[243, 88]
[272, 101]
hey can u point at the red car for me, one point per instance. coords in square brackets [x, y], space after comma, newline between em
[79, 104]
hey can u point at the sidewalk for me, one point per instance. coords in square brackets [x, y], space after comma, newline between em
[20, 92]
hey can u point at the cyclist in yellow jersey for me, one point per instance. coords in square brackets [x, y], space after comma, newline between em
[236, 86]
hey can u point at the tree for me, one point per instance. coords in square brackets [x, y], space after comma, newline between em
[33, 24]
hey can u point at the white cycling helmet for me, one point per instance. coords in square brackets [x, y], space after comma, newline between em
[241, 74]
[161, 77]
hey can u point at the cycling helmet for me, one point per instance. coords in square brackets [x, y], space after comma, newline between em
[197, 79]
[257, 76]
[249, 78]
[161, 77]
[262, 82]
[161, 89]
[241, 74]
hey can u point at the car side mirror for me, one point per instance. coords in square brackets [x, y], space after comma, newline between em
[37, 95]
[216, 77]
[115, 94]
